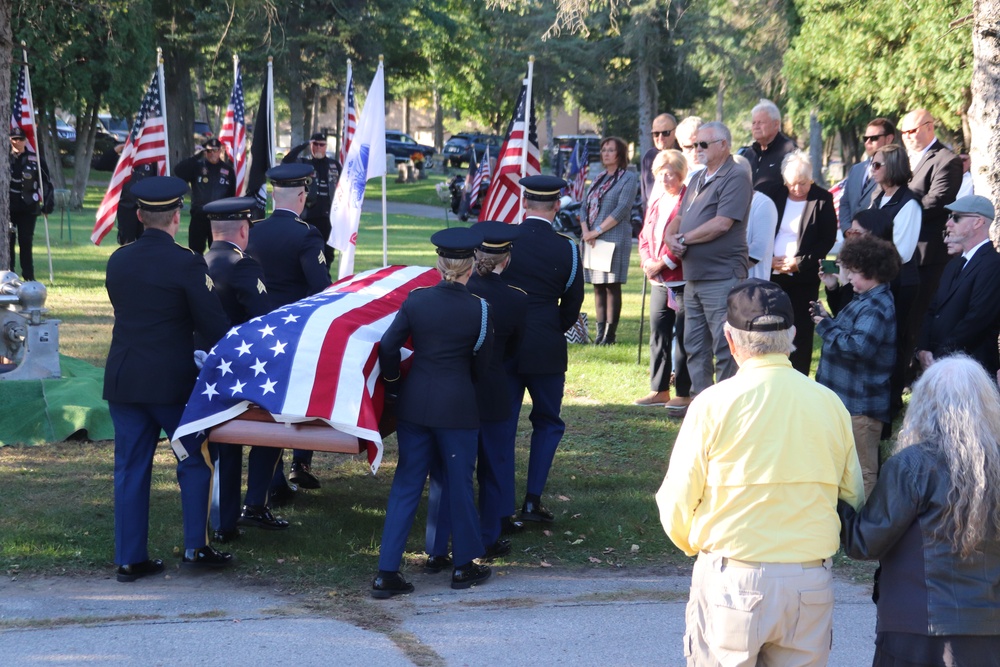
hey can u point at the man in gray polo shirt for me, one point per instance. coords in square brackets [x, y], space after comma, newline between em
[711, 234]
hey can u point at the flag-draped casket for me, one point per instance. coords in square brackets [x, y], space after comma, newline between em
[315, 359]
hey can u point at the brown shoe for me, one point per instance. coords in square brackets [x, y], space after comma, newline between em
[654, 398]
[678, 405]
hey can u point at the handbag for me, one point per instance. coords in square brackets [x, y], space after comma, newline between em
[579, 332]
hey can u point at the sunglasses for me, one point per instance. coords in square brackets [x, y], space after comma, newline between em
[688, 147]
[705, 144]
[664, 133]
[877, 165]
[914, 130]
[957, 217]
[872, 137]
[17, 138]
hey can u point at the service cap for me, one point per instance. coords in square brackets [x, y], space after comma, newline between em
[457, 242]
[976, 204]
[230, 208]
[291, 175]
[318, 136]
[17, 133]
[498, 236]
[755, 298]
[213, 143]
[542, 187]
[159, 193]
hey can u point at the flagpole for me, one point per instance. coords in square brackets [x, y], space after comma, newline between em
[385, 217]
[163, 107]
[38, 148]
[527, 131]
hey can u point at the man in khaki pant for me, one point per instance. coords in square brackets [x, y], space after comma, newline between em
[752, 490]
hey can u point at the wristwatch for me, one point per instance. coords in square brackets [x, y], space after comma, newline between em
[598, 229]
[680, 239]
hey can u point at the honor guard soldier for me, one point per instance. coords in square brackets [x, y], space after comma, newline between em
[495, 468]
[29, 181]
[324, 183]
[211, 178]
[239, 282]
[437, 415]
[290, 251]
[162, 297]
[129, 225]
[546, 265]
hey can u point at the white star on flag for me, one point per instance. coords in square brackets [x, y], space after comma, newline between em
[268, 387]
[238, 387]
[268, 330]
[279, 348]
[210, 391]
[225, 367]
[244, 348]
[258, 367]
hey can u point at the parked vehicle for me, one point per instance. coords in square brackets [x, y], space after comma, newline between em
[402, 146]
[202, 132]
[456, 149]
[567, 142]
[118, 128]
[567, 220]
[460, 204]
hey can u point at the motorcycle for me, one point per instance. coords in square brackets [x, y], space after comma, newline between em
[460, 202]
[567, 220]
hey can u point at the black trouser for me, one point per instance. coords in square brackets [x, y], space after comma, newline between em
[682, 379]
[800, 290]
[199, 232]
[129, 227]
[661, 335]
[22, 234]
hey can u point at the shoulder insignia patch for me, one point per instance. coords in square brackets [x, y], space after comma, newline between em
[260, 287]
[208, 282]
[322, 257]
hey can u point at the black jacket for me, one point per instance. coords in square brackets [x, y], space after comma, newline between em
[239, 282]
[445, 322]
[209, 182]
[162, 296]
[935, 182]
[507, 306]
[924, 588]
[29, 182]
[323, 185]
[290, 252]
[817, 231]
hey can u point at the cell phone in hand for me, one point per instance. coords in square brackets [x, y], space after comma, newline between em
[829, 266]
[817, 309]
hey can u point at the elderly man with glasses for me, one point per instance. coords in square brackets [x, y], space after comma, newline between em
[860, 184]
[211, 178]
[769, 147]
[964, 315]
[664, 138]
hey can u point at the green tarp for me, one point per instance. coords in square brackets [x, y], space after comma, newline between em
[34, 412]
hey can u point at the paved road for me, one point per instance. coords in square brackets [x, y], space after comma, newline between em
[520, 617]
[418, 210]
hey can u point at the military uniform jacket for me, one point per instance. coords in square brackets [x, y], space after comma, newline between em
[29, 180]
[547, 266]
[239, 282]
[139, 172]
[324, 182]
[445, 322]
[209, 182]
[290, 252]
[162, 296]
[507, 307]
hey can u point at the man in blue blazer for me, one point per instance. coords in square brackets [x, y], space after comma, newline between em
[860, 184]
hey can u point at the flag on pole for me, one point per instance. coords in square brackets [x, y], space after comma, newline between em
[261, 151]
[578, 188]
[313, 359]
[482, 174]
[22, 111]
[234, 132]
[350, 117]
[365, 160]
[503, 200]
[146, 143]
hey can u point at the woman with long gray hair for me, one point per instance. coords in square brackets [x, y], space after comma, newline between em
[933, 522]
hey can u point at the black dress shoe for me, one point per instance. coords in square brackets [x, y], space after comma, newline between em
[510, 525]
[282, 495]
[206, 558]
[435, 564]
[139, 570]
[300, 475]
[223, 536]
[259, 516]
[388, 584]
[470, 575]
[532, 511]
[497, 549]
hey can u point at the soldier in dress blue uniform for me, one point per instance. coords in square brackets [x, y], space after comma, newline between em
[239, 282]
[290, 251]
[495, 467]
[546, 265]
[324, 184]
[211, 178]
[162, 297]
[437, 413]
[129, 225]
[29, 182]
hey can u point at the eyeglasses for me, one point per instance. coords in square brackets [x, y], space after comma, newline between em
[877, 165]
[705, 144]
[17, 138]
[914, 130]
[872, 137]
[957, 217]
[688, 147]
[319, 143]
[663, 133]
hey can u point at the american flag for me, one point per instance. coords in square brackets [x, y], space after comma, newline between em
[313, 359]
[578, 172]
[23, 110]
[837, 191]
[146, 143]
[350, 117]
[234, 133]
[482, 174]
[503, 200]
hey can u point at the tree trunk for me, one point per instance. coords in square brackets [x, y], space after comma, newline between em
[985, 107]
[549, 131]
[438, 123]
[49, 139]
[647, 103]
[406, 115]
[296, 93]
[816, 148]
[720, 99]
[180, 104]
[203, 112]
[6, 44]
[86, 134]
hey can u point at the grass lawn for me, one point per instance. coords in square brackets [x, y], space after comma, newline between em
[58, 513]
